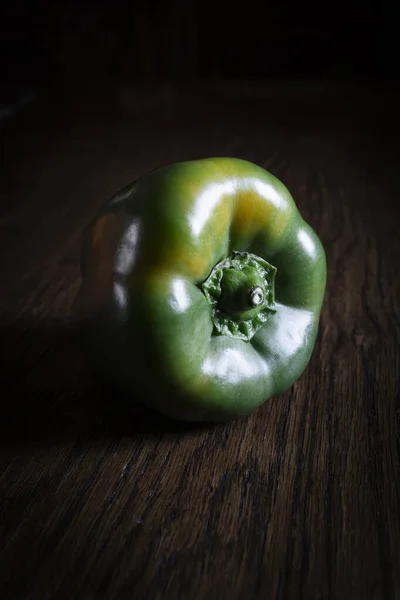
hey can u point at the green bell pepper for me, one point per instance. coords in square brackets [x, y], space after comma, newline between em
[202, 289]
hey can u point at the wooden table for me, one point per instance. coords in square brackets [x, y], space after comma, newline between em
[302, 499]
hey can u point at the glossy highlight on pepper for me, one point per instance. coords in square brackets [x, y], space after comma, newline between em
[201, 289]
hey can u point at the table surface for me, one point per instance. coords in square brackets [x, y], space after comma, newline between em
[301, 499]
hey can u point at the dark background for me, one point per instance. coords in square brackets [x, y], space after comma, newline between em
[69, 42]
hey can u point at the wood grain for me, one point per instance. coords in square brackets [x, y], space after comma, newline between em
[302, 499]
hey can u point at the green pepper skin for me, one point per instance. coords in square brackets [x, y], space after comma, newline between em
[146, 323]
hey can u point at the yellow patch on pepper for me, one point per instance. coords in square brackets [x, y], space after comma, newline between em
[254, 214]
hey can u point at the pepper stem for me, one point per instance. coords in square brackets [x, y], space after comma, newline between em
[240, 290]
[256, 296]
